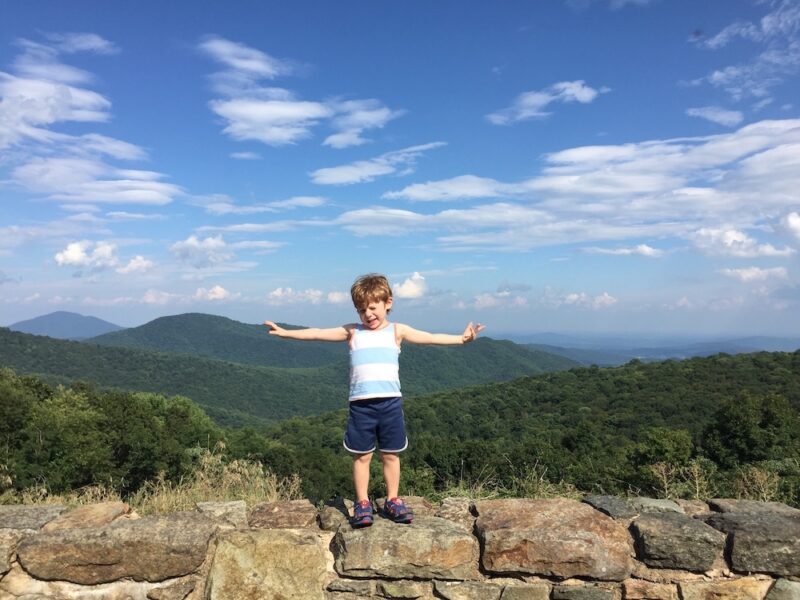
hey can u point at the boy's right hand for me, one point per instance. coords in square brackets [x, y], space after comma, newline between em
[275, 329]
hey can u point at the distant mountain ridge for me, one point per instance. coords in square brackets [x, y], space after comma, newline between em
[247, 380]
[65, 326]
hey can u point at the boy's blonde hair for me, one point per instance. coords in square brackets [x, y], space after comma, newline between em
[372, 287]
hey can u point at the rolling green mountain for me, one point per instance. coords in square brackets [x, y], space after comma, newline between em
[234, 393]
[219, 337]
[65, 325]
[597, 429]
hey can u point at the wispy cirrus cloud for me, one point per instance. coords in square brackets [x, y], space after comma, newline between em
[368, 170]
[45, 92]
[532, 105]
[276, 116]
[777, 32]
[717, 115]
[224, 205]
[640, 250]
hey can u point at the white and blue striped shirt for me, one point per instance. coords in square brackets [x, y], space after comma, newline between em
[374, 364]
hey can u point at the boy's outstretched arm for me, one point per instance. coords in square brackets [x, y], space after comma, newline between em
[333, 334]
[415, 336]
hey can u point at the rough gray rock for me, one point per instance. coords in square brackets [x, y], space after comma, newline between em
[614, 506]
[428, 548]
[268, 563]
[334, 513]
[149, 549]
[8, 546]
[28, 517]
[673, 541]
[746, 588]
[291, 514]
[655, 505]
[557, 538]
[583, 592]
[90, 515]
[526, 591]
[751, 507]
[468, 590]
[233, 514]
[784, 590]
[761, 543]
[458, 510]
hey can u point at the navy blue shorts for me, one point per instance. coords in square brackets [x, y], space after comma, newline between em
[378, 420]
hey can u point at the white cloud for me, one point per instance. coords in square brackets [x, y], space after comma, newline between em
[223, 205]
[288, 295]
[202, 253]
[582, 299]
[94, 255]
[530, 105]
[756, 274]
[413, 287]
[276, 116]
[778, 31]
[338, 297]
[732, 242]
[138, 264]
[356, 116]
[461, 187]
[501, 298]
[216, 293]
[792, 223]
[367, 170]
[717, 115]
[274, 122]
[641, 249]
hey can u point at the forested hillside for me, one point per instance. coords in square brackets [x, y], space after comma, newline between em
[704, 427]
[595, 429]
[235, 393]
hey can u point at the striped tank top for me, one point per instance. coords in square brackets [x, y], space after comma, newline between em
[374, 364]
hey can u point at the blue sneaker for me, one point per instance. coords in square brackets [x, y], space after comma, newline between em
[362, 514]
[396, 510]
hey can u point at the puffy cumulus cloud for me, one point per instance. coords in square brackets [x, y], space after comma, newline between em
[246, 155]
[216, 293]
[367, 170]
[274, 115]
[338, 297]
[641, 250]
[138, 264]
[93, 255]
[715, 114]
[792, 223]
[756, 274]
[287, 295]
[732, 242]
[202, 253]
[531, 105]
[413, 287]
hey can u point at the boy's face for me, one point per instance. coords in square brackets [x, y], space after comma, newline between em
[373, 314]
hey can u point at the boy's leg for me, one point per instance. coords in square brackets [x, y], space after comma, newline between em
[361, 475]
[391, 473]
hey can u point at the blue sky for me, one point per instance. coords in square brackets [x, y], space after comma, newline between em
[578, 165]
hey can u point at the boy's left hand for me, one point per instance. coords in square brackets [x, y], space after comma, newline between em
[471, 332]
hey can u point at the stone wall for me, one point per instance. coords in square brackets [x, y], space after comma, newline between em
[604, 548]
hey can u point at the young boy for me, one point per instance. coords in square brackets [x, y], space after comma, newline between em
[376, 407]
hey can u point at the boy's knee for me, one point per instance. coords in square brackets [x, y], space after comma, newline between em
[363, 458]
[390, 456]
